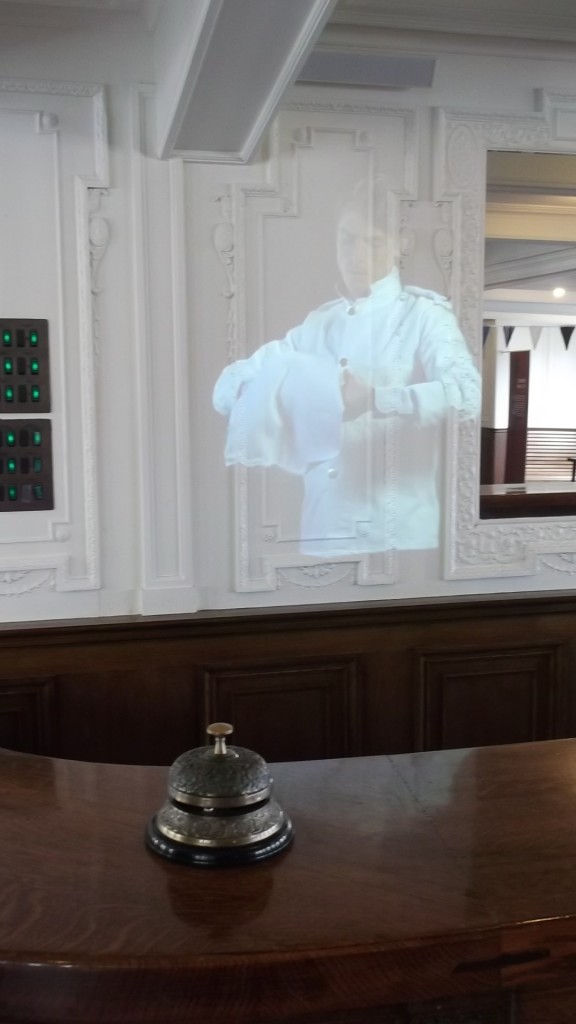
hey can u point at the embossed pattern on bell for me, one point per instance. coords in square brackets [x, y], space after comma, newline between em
[193, 830]
[236, 777]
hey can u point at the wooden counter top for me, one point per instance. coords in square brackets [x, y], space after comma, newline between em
[411, 878]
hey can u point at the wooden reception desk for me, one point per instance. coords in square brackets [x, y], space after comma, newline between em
[428, 888]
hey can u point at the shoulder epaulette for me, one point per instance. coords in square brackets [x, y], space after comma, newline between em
[427, 293]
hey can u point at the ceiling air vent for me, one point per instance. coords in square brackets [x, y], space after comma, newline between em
[368, 69]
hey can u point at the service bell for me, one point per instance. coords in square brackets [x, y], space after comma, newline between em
[219, 809]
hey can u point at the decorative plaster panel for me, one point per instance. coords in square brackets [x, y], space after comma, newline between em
[58, 550]
[317, 152]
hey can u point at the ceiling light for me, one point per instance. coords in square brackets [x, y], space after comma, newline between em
[558, 293]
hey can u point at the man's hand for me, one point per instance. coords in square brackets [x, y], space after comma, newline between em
[358, 397]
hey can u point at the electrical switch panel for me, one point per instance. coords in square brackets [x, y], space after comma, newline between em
[24, 367]
[25, 465]
[26, 478]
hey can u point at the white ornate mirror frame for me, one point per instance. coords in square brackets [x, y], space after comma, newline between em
[476, 549]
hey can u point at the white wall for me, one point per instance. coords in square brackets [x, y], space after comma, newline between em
[189, 264]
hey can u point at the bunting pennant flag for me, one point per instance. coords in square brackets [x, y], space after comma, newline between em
[567, 333]
[508, 332]
[485, 332]
[535, 333]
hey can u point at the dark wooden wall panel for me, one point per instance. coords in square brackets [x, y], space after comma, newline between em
[528, 698]
[25, 714]
[313, 682]
[289, 712]
[117, 716]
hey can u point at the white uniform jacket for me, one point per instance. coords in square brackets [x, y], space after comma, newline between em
[370, 483]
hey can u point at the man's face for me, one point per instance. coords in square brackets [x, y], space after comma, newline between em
[362, 252]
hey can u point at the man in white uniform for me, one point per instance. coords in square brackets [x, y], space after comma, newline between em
[352, 400]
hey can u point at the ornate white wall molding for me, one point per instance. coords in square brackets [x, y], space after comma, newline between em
[40, 87]
[61, 552]
[477, 549]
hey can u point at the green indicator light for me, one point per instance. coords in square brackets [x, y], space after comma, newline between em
[7, 337]
[34, 366]
[9, 395]
[12, 493]
[37, 438]
[11, 465]
[8, 366]
[10, 438]
[33, 337]
[38, 491]
[35, 393]
[37, 465]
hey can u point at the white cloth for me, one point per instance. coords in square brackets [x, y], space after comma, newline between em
[370, 483]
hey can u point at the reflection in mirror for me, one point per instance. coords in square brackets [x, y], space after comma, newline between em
[528, 446]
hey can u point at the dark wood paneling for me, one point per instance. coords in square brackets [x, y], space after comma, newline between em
[25, 714]
[311, 682]
[289, 712]
[145, 717]
[527, 697]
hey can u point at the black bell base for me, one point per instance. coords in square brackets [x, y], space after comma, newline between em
[215, 857]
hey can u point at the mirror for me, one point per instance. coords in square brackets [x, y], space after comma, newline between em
[528, 435]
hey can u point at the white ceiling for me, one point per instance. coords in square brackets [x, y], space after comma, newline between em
[94, 5]
[534, 20]
[517, 19]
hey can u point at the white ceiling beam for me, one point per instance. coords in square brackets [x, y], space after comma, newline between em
[222, 68]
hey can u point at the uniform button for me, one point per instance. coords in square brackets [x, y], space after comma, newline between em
[332, 473]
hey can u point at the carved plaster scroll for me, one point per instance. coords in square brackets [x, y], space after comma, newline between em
[47, 123]
[18, 582]
[223, 240]
[473, 548]
[318, 575]
[98, 238]
[561, 562]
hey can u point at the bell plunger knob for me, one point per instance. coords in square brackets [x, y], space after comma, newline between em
[219, 731]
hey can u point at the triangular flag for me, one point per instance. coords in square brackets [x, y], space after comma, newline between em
[567, 333]
[508, 332]
[485, 332]
[535, 333]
